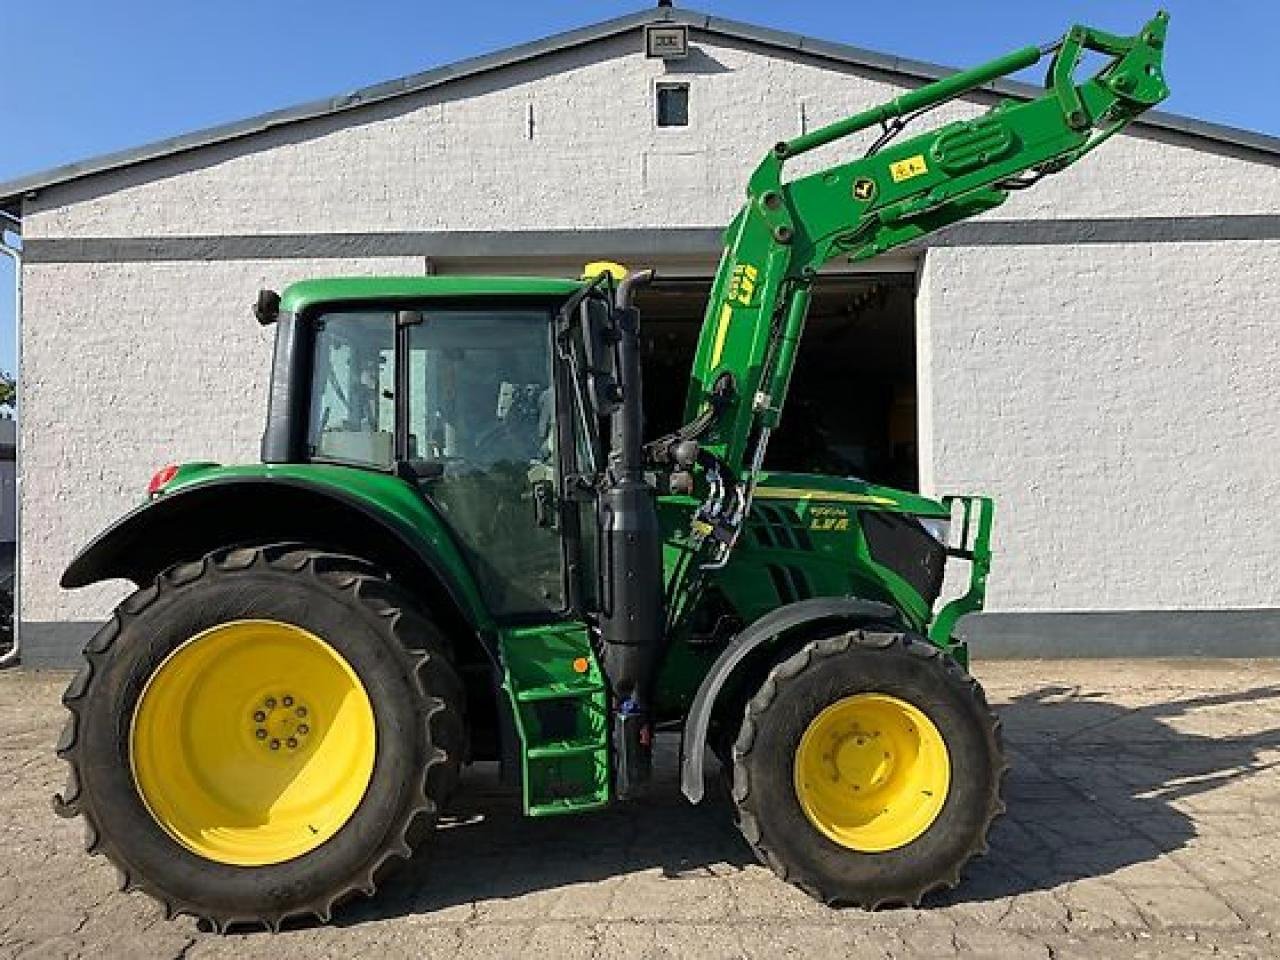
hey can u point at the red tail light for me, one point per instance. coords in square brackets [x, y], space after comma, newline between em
[161, 478]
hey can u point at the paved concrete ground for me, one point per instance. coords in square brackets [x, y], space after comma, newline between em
[1144, 821]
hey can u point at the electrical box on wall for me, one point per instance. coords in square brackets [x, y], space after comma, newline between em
[666, 41]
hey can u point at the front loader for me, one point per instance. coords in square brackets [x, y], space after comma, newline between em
[459, 545]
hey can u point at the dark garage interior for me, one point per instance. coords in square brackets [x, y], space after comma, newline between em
[852, 405]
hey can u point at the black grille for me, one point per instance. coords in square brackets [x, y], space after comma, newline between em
[789, 583]
[901, 544]
[779, 527]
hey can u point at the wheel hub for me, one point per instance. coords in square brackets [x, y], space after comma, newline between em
[253, 743]
[282, 723]
[872, 772]
[859, 761]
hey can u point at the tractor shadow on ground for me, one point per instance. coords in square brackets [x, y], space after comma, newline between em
[1093, 784]
[485, 850]
[1090, 792]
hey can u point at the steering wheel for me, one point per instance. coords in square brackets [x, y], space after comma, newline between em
[490, 440]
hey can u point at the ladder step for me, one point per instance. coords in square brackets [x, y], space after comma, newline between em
[565, 748]
[558, 691]
[551, 808]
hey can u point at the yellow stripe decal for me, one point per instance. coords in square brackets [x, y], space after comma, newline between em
[835, 496]
[722, 331]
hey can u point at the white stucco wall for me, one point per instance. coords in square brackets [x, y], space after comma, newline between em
[461, 158]
[127, 367]
[130, 365]
[1120, 404]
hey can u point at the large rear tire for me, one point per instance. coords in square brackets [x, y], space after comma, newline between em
[262, 734]
[868, 769]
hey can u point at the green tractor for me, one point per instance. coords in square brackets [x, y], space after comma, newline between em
[459, 546]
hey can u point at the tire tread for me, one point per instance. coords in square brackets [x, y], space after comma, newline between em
[756, 714]
[426, 660]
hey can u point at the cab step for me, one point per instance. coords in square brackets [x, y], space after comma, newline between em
[557, 691]
[564, 748]
[561, 712]
[554, 808]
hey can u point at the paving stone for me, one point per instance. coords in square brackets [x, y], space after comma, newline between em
[1094, 905]
[1180, 907]
[1144, 822]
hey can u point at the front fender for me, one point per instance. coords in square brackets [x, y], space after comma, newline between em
[838, 609]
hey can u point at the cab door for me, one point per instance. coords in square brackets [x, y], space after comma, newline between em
[480, 425]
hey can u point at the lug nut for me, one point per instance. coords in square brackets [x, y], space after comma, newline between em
[259, 716]
[260, 734]
[270, 703]
[293, 744]
[275, 744]
[301, 711]
[288, 701]
[303, 730]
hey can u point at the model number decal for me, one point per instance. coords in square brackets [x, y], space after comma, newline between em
[828, 518]
[742, 283]
[908, 168]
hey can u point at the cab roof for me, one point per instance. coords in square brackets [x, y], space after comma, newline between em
[307, 293]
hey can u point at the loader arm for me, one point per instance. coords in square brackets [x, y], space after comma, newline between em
[897, 193]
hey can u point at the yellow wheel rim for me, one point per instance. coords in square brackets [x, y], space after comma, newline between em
[872, 772]
[253, 743]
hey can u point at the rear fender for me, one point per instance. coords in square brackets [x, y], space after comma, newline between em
[205, 516]
[844, 611]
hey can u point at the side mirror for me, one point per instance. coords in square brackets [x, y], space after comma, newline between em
[267, 310]
[599, 336]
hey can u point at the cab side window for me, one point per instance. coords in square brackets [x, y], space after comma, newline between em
[353, 389]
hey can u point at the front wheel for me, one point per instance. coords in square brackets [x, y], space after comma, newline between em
[260, 734]
[868, 769]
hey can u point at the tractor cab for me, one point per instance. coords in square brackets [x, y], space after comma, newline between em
[454, 385]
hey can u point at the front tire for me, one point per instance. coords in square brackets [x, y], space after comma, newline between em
[868, 769]
[261, 734]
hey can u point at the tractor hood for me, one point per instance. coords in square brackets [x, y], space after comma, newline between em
[848, 490]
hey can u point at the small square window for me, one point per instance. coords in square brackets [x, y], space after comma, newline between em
[673, 104]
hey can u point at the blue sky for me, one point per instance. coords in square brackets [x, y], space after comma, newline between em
[83, 78]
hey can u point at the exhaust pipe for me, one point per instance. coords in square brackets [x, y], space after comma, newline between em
[632, 616]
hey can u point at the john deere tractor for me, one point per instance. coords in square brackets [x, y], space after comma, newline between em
[459, 545]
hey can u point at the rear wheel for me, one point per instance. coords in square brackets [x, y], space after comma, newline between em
[270, 730]
[868, 769]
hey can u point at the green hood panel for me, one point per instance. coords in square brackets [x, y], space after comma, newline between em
[847, 490]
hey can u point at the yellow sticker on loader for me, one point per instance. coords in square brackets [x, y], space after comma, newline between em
[742, 283]
[908, 168]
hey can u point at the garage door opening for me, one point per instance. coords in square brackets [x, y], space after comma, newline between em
[852, 406]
